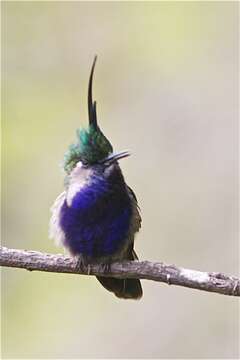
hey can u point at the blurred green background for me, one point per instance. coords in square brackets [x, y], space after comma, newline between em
[166, 87]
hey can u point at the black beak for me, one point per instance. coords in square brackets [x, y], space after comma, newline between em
[116, 156]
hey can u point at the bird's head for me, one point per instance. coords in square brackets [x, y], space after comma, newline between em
[92, 147]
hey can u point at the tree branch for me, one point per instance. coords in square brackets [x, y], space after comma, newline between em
[170, 274]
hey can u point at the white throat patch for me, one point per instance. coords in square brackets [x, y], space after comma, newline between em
[79, 178]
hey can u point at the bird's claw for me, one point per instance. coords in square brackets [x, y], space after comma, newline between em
[80, 265]
[85, 267]
[89, 269]
[106, 267]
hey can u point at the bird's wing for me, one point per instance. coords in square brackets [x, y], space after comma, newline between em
[132, 194]
[136, 223]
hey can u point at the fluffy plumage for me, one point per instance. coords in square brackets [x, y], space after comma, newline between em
[98, 220]
[97, 216]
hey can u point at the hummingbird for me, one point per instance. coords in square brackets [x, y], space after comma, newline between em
[97, 216]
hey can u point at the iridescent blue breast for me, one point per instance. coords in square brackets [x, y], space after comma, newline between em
[97, 222]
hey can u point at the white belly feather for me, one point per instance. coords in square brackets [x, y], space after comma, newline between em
[55, 231]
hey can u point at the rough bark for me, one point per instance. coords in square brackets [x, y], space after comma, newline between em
[157, 271]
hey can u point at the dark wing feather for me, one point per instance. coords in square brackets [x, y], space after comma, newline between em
[137, 216]
[127, 288]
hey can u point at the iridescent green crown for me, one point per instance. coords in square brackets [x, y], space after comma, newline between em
[92, 146]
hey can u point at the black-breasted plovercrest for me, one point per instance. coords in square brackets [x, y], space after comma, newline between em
[97, 215]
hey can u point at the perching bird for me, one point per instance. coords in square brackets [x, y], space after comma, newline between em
[97, 215]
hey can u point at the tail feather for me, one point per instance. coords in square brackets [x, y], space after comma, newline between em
[123, 288]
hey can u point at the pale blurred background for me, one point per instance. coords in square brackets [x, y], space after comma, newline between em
[166, 87]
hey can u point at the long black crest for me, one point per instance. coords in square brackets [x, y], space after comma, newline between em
[92, 111]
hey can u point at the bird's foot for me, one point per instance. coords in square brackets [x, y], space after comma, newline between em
[106, 267]
[81, 264]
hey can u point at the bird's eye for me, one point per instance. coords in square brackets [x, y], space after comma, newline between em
[84, 162]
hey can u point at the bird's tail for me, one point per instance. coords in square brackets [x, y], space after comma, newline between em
[123, 288]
